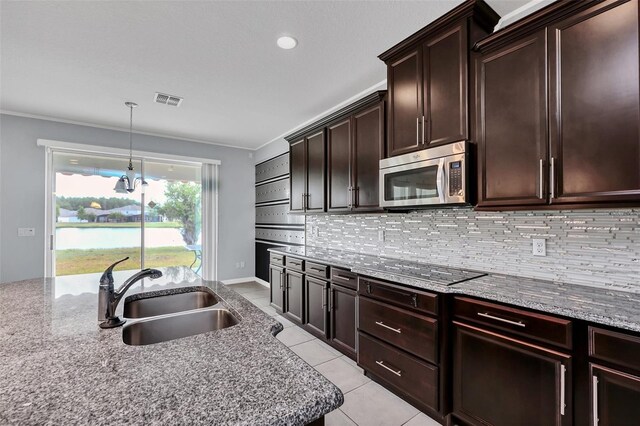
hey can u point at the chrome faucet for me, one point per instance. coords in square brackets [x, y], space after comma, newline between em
[108, 298]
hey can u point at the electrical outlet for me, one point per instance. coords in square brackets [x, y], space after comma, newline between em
[314, 231]
[539, 247]
[242, 264]
[26, 232]
[381, 235]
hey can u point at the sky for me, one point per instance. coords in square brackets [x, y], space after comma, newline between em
[98, 186]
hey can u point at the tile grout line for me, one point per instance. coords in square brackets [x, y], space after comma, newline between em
[347, 416]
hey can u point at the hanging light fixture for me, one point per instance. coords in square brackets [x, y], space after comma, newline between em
[128, 181]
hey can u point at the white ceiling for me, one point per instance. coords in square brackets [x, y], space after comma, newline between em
[81, 60]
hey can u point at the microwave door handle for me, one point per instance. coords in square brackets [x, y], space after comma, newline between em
[440, 181]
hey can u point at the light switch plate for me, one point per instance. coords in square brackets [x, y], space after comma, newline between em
[539, 247]
[26, 232]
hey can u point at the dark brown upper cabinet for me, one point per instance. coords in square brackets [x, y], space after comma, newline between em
[595, 105]
[512, 123]
[367, 151]
[557, 107]
[354, 149]
[427, 78]
[339, 136]
[307, 173]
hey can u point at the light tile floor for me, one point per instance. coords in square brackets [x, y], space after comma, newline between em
[365, 402]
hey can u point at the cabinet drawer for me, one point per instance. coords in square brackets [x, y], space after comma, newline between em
[401, 296]
[294, 264]
[408, 374]
[317, 270]
[617, 348]
[411, 332]
[544, 328]
[276, 259]
[344, 278]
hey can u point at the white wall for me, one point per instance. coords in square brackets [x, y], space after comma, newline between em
[22, 189]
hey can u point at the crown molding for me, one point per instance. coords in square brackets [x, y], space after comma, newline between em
[118, 129]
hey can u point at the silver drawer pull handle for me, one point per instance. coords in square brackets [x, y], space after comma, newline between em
[397, 373]
[595, 401]
[563, 403]
[316, 269]
[381, 324]
[486, 315]
[342, 277]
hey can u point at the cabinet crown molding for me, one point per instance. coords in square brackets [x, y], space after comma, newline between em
[481, 12]
[532, 23]
[376, 96]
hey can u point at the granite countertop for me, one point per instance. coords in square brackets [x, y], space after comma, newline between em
[599, 305]
[58, 367]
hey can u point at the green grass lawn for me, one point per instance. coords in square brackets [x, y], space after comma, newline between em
[119, 225]
[72, 262]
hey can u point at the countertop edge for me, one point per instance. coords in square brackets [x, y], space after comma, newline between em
[460, 289]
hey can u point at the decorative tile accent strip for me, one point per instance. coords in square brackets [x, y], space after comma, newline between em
[599, 248]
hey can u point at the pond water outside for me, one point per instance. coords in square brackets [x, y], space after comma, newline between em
[107, 238]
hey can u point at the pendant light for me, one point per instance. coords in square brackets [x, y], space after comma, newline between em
[128, 181]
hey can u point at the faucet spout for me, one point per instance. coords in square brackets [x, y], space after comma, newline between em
[145, 273]
[108, 298]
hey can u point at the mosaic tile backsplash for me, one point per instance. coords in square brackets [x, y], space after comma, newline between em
[599, 248]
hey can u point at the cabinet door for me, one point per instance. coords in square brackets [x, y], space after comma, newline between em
[342, 305]
[315, 172]
[501, 381]
[276, 281]
[368, 148]
[339, 166]
[294, 296]
[615, 397]
[298, 175]
[405, 104]
[595, 105]
[512, 124]
[445, 68]
[316, 305]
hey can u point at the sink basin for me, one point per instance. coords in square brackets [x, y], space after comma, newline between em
[149, 331]
[168, 304]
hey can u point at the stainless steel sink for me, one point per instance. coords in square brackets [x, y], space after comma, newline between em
[162, 329]
[168, 304]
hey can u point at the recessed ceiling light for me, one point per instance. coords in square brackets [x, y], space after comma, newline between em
[287, 42]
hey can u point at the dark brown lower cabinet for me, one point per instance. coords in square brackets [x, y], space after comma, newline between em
[277, 283]
[342, 308]
[316, 306]
[615, 397]
[294, 296]
[405, 373]
[501, 381]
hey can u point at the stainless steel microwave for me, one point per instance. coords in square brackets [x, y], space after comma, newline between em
[431, 177]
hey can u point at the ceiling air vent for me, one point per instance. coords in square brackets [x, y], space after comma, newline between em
[161, 98]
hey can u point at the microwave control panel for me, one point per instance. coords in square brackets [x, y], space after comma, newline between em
[456, 187]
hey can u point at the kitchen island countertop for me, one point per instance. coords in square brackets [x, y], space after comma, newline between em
[58, 367]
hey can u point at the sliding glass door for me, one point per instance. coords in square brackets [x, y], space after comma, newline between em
[173, 222]
[158, 225]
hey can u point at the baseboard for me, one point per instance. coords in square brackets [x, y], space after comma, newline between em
[246, 279]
